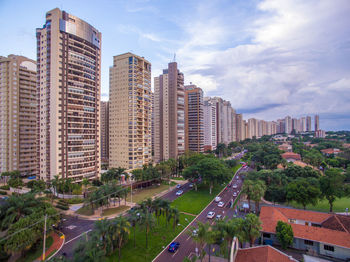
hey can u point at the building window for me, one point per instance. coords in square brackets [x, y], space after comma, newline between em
[329, 248]
[309, 242]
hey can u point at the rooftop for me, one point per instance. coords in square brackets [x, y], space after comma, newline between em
[262, 254]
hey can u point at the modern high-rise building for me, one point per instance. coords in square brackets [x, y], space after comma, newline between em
[317, 122]
[210, 124]
[18, 115]
[194, 119]
[295, 125]
[130, 112]
[308, 123]
[288, 124]
[240, 133]
[104, 131]
[68, 81]
[169, 114]
[303, 124]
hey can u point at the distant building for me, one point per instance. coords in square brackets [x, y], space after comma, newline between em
[326, 235]
[240, 132]
[68, 82]
[18, 115]
[320, 133]
[288, 124]
[194, 119]
[210, 124]
[130, 111]
[104, 131]
[331, 151]
[308, 123]
[169, 114]
[317, 122]
[285, 147]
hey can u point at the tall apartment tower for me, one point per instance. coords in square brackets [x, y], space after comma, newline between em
[169, 114]
[18, 115]
[303, 124]
[317, 122]
[240, 134]
[68, 80]
[288, 124]
[308, 123]
[210, 124]
[104, 131]
[130, 111]
[194, 119]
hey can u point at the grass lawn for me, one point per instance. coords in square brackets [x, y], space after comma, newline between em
[159, 237]
[114, 210]
[142, 194]
[193, 201]
[339, 205]
[85, 211]
[36, 251]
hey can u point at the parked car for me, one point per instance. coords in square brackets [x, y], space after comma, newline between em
[178, 186]
[194, 233]
[173, 247]
[221, 204]
[179, 193]
[217, 199]
[234, 194]
[191, 185]
[234, 186]
[218, 217]
[211, 214]
[229, 185]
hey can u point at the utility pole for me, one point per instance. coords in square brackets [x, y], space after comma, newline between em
[44, 238]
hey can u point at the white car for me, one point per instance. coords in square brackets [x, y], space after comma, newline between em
[211, 214]
[234, 186]
[178, 186]
[190, 185]
[179, 193]
[217, 199]
[218, 217]
[234, 194]
[221, 204]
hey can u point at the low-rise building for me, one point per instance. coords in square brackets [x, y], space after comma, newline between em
[331, 151]
[320, 233]
[285, 147]
[291, 157]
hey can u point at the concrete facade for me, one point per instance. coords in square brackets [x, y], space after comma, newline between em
[69, 68]
[18, 115]
[104, 131]
[130, 112]
[210, 124]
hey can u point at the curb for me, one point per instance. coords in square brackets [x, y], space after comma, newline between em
[64, 241]
[195, 217]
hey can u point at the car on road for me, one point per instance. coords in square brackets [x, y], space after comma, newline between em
[194, 233]
[190, 185]
[234, 186]
[173, 247]
[217, 199]
[234, 194]
[179, 193]
[221, 204]
[229, 185]
[178, 186]
[211, 214]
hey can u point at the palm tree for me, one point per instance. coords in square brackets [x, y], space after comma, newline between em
[247, 189]
[251, 228]
[259, 189]
[157, 208]
[122, 229]
[147, 222]
[102, 228]
[55, 183]
[175, 215]
[85, 183]
[133, 220]
[210, 238]
[200, 237]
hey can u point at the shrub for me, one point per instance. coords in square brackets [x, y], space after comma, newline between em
[62, 207]
[75, 201]
[3, 192]
[6, 187]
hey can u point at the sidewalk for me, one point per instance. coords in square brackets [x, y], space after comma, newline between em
[56, 245]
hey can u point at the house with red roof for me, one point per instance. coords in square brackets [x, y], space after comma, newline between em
[331, 151]
[321, 233]
[291, 157]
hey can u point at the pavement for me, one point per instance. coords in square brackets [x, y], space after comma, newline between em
[187, 246]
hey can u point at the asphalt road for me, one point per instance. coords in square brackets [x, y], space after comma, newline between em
[187, 246]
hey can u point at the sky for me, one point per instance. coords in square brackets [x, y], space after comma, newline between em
[269, 58]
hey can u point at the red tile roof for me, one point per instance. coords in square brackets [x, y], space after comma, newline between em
[338, 222]
[288, 155]
[271, 215]
[330, 151]
[262, 254]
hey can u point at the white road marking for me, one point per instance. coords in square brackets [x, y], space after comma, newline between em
[78, 236]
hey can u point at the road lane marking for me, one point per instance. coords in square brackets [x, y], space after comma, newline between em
[78, 236]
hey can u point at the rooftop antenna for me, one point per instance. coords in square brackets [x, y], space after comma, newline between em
[174, 57]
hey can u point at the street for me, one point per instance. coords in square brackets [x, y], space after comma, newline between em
[187, 246]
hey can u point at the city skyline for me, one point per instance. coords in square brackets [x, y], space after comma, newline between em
[224, 60]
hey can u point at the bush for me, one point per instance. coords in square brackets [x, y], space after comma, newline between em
[62, 207]
[15, 182]
[75, 200]
[62, 202]
[6, 187]
[3, 192]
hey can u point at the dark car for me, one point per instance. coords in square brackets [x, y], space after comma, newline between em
[173, 247]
